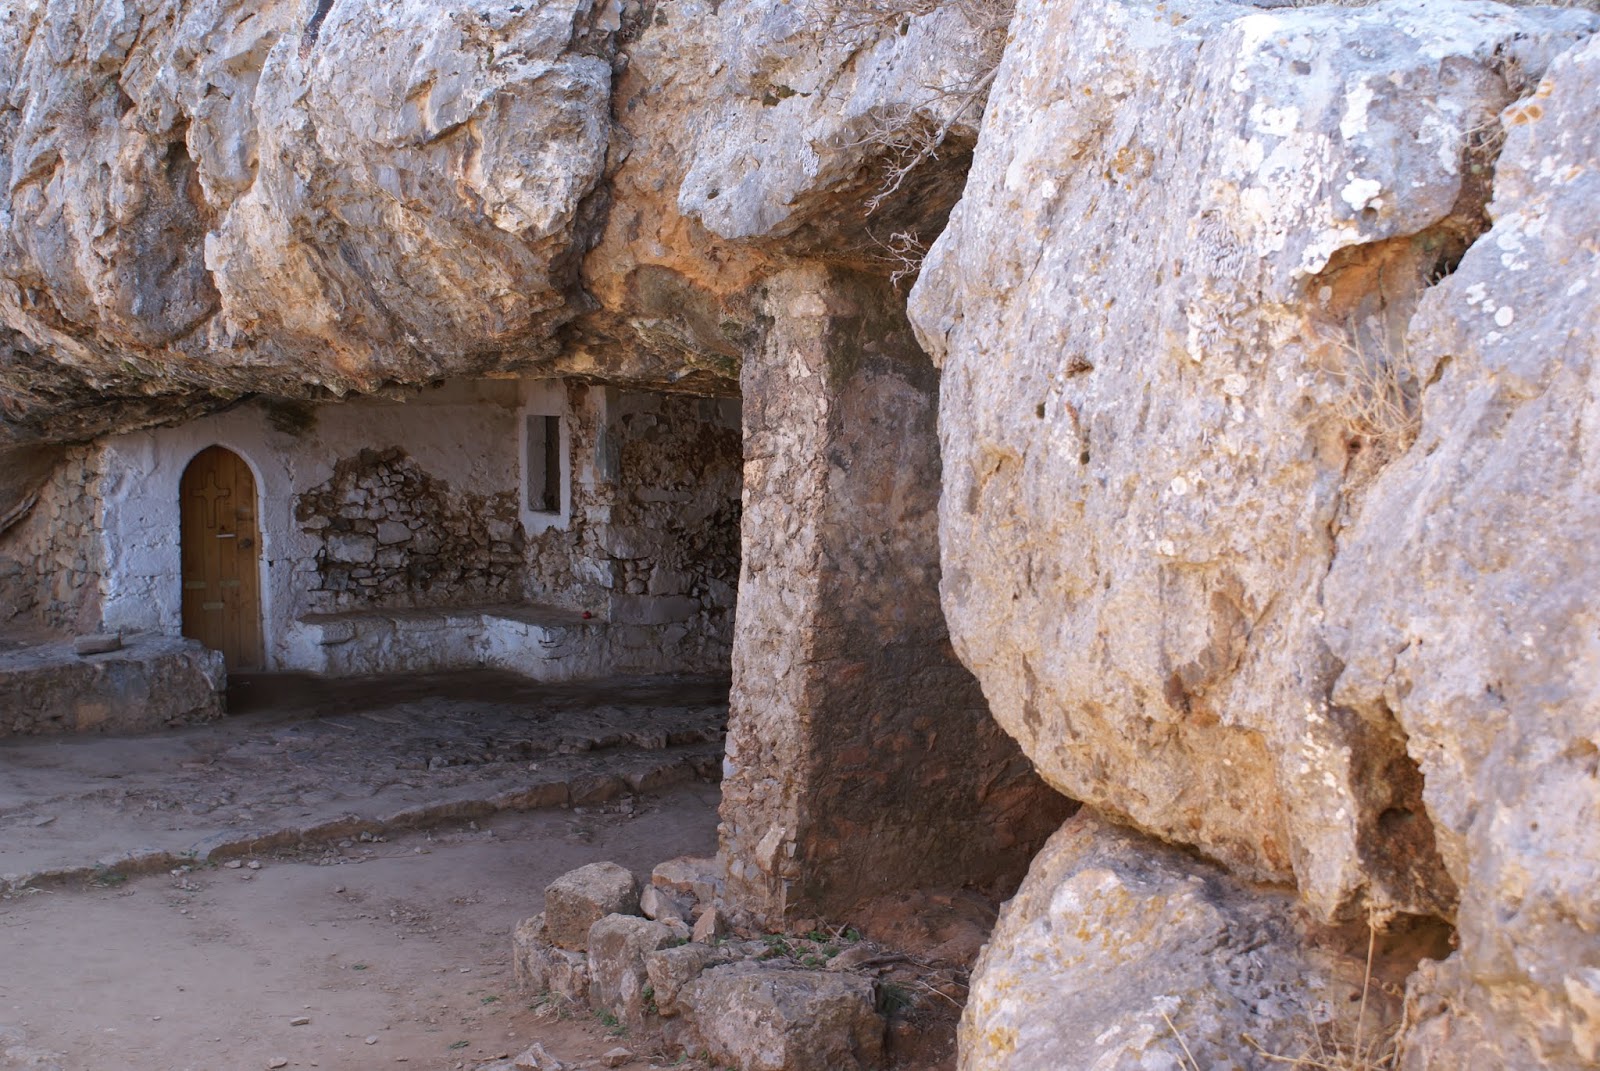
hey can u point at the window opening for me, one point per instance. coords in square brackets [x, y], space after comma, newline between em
[544, 464]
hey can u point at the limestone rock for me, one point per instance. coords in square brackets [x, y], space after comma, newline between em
[215, 198]
[618, 945]
[670, 969]
[1461, 599]
[759, 1018]
[541, 967]
[815, 100]
[579, 898]
[661, 906]
[1146, 307]
[1122, 953]
[697, 879]
[710, 925]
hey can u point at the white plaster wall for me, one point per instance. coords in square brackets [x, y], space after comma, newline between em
[544, 397]
[464, 432]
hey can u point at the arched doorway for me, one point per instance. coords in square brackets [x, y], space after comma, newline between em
[221, 557]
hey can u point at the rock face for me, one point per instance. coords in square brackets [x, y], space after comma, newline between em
[1206, 568]
[1119, 952]
[226, 197]
[1460, 599]
[1151, 393]
[819, 102]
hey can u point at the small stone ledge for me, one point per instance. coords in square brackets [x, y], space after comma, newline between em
[148, 682]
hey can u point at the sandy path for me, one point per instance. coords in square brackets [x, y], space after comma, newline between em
[206, 970]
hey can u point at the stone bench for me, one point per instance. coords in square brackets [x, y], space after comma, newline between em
[545, 643]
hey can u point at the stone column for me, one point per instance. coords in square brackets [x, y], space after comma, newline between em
[861, 755]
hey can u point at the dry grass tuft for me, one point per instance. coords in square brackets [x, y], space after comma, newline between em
[909, 136]
[1381, 400]
[1337, 1045]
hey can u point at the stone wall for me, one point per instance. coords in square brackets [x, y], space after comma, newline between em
[654, 520]
[674, 532]
[51, 560]
[393, 536]
[861, 756]
[415, 503]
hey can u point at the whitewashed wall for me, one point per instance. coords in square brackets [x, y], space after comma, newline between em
[465, 432]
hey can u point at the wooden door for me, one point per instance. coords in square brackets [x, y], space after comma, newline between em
[221, 555]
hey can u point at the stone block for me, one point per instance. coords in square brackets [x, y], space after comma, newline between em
[578, 899]
[759, 1018]
[670, 969]
[689, 876]
[351, 548]
[541, 967]
[393, 532]
[618, 945]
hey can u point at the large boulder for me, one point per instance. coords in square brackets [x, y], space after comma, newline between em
[1268, 472]
[1158, 314]
[1119, 952]
[1461, 602]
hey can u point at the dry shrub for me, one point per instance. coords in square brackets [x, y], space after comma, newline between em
[907, 136]
[1381, 397]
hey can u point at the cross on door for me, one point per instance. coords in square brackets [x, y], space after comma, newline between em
[212, 495]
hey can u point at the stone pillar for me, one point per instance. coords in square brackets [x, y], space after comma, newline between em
[861, 755]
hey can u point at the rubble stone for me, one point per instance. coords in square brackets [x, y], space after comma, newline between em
[578, 899]
[670, 969]
[661, 906]
[541, 967]
[697, 879]
[618, 945]
[759, 1018]
[710, 925]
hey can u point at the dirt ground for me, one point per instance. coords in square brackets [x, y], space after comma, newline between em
[396, 951]
[354, 853]
[304, 758]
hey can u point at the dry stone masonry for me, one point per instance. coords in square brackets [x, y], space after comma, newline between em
[394, 536]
